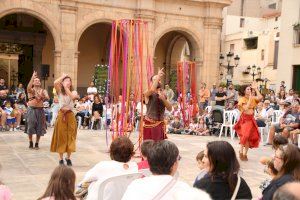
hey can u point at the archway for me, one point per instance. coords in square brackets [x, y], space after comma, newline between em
[26, 43]
[172, 47]
[93, 47]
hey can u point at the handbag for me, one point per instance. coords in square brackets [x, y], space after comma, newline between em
[82, 192]
[237, 187]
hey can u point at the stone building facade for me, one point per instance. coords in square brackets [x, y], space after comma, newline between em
[69, 23]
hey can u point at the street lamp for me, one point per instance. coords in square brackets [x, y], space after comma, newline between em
[229, 57]
[254, 71]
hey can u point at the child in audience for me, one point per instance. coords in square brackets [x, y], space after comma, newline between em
[176, 126]
[193, 127]
[200, 163]
[202, 129]
[11, 119]
[145, 148]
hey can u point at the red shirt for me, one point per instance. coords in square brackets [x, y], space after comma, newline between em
[143, 165]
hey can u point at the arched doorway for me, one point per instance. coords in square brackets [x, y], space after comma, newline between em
[93, 47]
[172, 47]
[26, 43]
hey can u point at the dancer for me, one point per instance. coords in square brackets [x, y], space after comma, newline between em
[246, 127]
[65, 129]
[156, 102]
[36, 119]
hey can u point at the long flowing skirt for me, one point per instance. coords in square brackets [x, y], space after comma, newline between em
[64, 134]
[247, 130]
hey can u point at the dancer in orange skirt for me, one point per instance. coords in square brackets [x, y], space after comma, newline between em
[246, 127]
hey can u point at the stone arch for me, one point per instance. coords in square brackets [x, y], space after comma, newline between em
[37, 11]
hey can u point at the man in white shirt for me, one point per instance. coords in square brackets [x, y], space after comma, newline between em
[163, 184]
[91, 91]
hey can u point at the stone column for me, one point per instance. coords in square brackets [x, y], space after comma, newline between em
[57, 68]
[211, 45]
[68, 61]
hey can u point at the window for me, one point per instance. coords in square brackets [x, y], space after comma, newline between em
[297, 36]
[276, 19]
[262, 56]
[231, 47]
[296, 75]
[276, 55]
[251, 43]
[242, 22]
[272, 6]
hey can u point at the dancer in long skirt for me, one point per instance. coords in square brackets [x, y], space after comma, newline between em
[65, 128]
[246, 127]
[36, 119]
[156, 102]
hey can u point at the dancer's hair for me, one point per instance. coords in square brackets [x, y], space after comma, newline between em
[242, 90]
[63, 89]
[61, 185]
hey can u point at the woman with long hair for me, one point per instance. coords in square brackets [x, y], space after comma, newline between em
[97, 112]
[287, 163]
[65, 129]
[222, 177]
[61, 185]
[246, 126]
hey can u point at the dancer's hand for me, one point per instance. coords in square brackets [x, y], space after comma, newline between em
[64, 75]
[162, 96]
[34, 74]
[161, 73]
[254, 85]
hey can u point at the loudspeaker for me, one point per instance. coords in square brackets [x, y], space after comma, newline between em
[45, 69]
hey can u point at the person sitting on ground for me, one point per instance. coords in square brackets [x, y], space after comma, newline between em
[121, 152]
[201, 166]
[176, 126]
[163, 160]
[289, 191]
[288, 122]
[193, 127]
[222, 177]
[61, 184]
[287, 163]
[202, 128]
[145, 149]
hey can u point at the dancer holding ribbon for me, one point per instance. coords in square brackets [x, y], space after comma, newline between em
[156, 102]
[65, 129]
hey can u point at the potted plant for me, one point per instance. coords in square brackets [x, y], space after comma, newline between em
[296, 26]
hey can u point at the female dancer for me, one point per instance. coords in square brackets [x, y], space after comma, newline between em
[246, 127]
[65, 129]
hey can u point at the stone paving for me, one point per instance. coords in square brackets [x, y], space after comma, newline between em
[26, 172]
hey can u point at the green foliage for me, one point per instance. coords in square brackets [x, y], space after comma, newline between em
[100, 78]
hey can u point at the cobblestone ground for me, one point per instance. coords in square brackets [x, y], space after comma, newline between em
[27, 172]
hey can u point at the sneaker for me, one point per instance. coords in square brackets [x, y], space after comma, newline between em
[17, 128]
[11, 129]
[36, 146]
[61, 162]
[69, 162]
[30, 145]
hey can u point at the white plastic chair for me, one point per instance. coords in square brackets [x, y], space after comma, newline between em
[115, 187]
[263, 131]
[229, 120]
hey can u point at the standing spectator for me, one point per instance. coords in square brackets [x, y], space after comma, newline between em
[223, 169]
[287, 163]
[213, 93]
[220, 97]
[204, 95]
[169, 93]
[91, 91]
[61, 184]
[232, 97]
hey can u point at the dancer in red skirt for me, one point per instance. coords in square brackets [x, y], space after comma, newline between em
[154, 126]
[246, 127]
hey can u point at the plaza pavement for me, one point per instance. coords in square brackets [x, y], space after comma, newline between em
[26, 172]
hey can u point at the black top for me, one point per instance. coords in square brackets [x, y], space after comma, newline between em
[4, 99]
[220, 94]
[218, 188]
[3, 87]
[98, 107]
[275, 184]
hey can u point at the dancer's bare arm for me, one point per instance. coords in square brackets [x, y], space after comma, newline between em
[29, 86]
[258, 96]
[154, 85]
[58, 83]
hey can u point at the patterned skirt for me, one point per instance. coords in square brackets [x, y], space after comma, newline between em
[35, 121]
[154, 130]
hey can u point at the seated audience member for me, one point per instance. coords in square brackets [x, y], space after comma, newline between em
[290, 191]
[21, 105]
[201, 166]
[176, 126]
[107, 115]
[61, 184]
[277, 142]
[54, 109]
[145, 149]
[261, 115]
[121, 152]
[10, 116]
[5, 193]
[222, 177]
[270, 170]
[288, 122]
[48, 112]
[97, 112]
[287, 163]
[82, 112]
[202, 128]
[163, 160]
